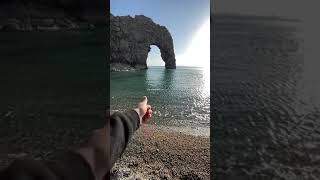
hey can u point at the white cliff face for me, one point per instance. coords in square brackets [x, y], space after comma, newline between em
[130, 41]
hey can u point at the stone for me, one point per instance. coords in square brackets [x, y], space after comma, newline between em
[130, 41]
[17, 155]
[91, 26]
[12, 25]
[45, 22]
[28, 27]
[46, 13]
[44, 28]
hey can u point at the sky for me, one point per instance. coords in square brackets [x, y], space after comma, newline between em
[183, 18]
[285, 8]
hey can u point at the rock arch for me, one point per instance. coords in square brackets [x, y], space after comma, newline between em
[154, 57]
[130, 41]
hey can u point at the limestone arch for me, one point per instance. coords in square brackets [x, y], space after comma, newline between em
[154, 52]
[131, 39]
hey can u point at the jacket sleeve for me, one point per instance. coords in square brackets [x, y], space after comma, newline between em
[122, 127]
[65, 166]
[71, 165]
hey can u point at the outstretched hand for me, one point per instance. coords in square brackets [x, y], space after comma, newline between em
[144, 110]
[96, 150]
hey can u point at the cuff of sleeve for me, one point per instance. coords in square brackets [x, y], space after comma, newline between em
[134, 116]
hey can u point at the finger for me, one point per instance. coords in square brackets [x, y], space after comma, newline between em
[149, 114]
[148, 106]
[144, 100]
[145, 117]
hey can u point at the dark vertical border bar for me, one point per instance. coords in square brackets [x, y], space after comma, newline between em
[212, 118]
[107, 13]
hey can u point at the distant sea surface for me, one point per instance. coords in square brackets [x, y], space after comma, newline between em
[266, 100]
[53, 91]
[179, 97]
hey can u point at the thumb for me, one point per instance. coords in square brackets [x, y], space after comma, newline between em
[144, 100]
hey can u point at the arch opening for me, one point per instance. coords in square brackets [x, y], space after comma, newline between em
[154, 57]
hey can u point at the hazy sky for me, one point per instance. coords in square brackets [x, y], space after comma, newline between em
[286, 8]
[183, 18]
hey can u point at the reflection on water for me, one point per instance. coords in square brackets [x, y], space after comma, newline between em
[180, 97]
[163, 79]
[206, 81]
[266, 123]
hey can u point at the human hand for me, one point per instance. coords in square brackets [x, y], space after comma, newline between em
[144, 110]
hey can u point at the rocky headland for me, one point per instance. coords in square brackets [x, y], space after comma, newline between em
[130, 41]
[51, 15]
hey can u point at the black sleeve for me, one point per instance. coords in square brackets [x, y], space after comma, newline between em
[122, 127]
[71, 165]
[65, 166]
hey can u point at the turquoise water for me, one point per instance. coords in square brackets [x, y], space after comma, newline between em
[179, 97]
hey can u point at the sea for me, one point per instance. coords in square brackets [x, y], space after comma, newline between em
[53, 91]
[179, 97]
[266, 101]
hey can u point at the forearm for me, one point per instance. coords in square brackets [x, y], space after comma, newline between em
[107, 144]
[93, 160]
[65, 166]
[122, 127]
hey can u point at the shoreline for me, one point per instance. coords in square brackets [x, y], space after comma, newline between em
[122, 67]
[159, 152]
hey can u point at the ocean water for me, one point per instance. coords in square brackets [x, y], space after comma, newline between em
[52, 91]
[179, 97]
[56, 72]
[266, 100]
